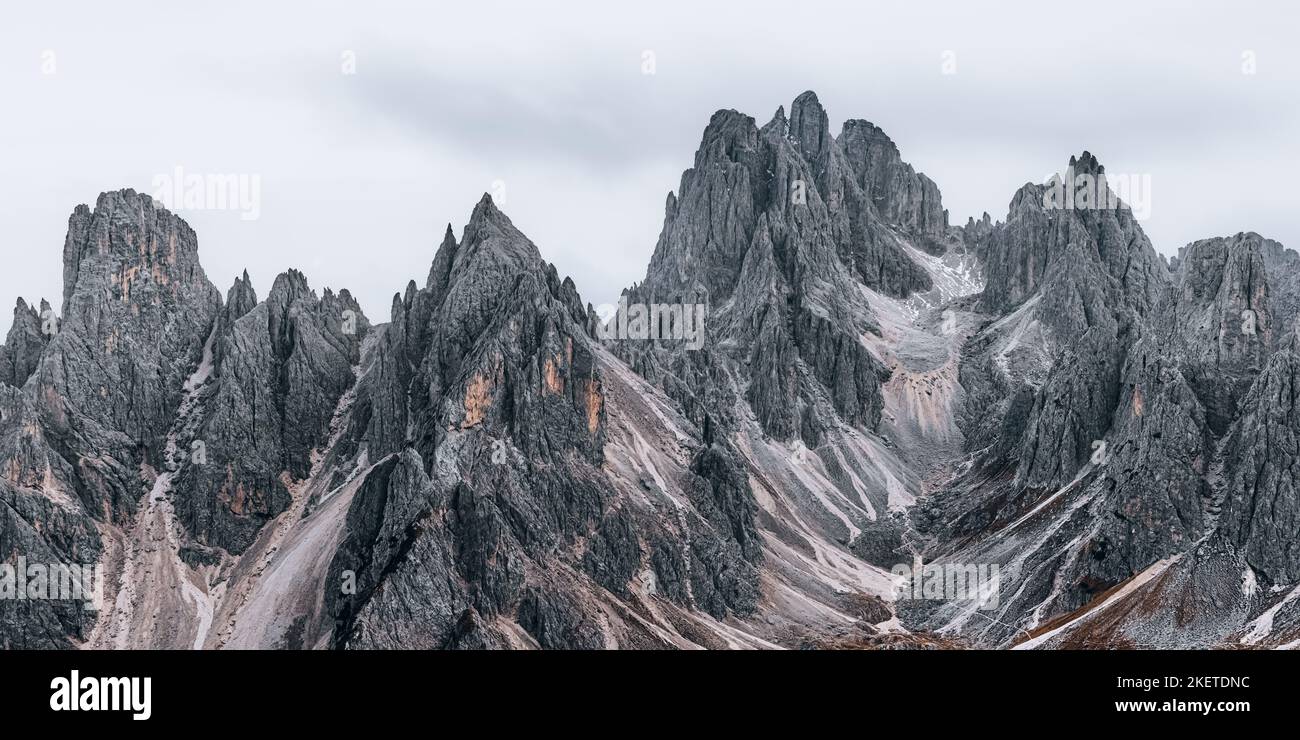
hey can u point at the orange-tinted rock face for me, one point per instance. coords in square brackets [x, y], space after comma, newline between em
[478, 400]
[595, 403]
[552, 380]
[554, 368]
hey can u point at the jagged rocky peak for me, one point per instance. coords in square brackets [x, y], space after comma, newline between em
[700, 252]
[778, 232]
[241, 298]
[131, 263]
[81, 441]
[463, 465]
[486, 473]
[336, 321]
[491, 297]
[137, 312]
[30, 332]
[470, 276]
[1261, 472]
[899, 194]
[779, 125]
[1086, 164]
[440, 270]
[137, 245]
[853, 193]
[975, 233]
[289, 286]
[1147, 414]
[1247, 269]
[490, 236]
[486, 418]
[281, 368]
[1058, 233]
[1081, 280]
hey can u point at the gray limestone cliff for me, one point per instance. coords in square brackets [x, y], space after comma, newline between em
[500, 466]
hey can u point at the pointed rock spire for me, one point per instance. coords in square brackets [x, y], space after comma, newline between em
[21, 351]
[240, 299]
[443, 259]
[779, 125]
[810, 126]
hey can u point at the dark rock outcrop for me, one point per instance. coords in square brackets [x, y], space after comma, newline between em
[27, 338]
[280, 368]
[501, 467]
[1261, 506]
[137, 310]
[776, 229]
[1134, 431]
[1093, 277]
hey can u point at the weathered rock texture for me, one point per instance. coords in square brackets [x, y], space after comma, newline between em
[137, 310]
[777, 229]
[280, 369]
[1118, 432]
[499, 467]
[487, 520]
[27, 338]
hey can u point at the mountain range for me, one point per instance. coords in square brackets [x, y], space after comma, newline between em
[877, 394]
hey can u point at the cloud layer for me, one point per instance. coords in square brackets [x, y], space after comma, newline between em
[361, 171]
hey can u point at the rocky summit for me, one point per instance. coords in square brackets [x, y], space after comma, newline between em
[826, 418]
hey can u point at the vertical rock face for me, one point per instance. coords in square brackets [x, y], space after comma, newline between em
[777, 230]
[1261, 498]
[27, 338]
[137, 309]
[279, 370]
[1283, 268]
[1180, 388]
[1224, 318]
[486, 520]
[1092, 277]
[899, 194]
[102, 393]
[1261, 507]
[499, 467]
[1049, 235]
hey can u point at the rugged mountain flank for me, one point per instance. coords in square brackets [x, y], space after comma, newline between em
[278, 368]
[1101, 402]
[82, 438]
[819, 386]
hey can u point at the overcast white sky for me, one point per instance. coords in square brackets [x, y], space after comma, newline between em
[361, 172]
